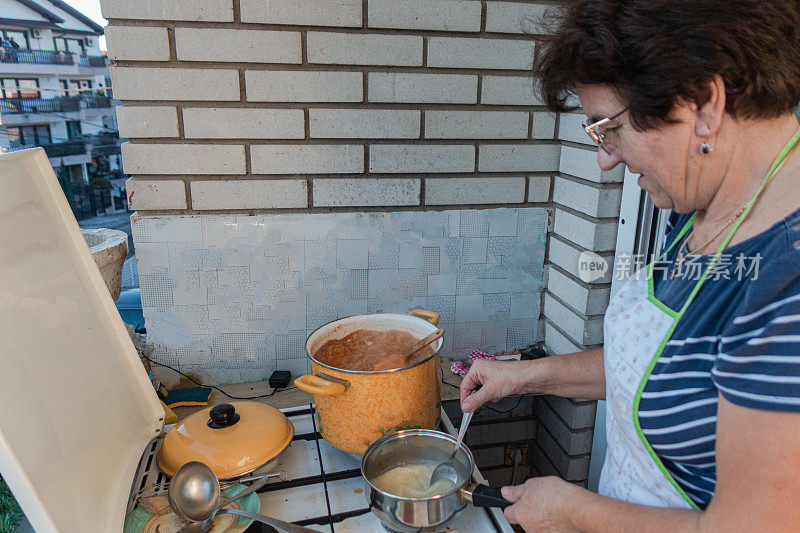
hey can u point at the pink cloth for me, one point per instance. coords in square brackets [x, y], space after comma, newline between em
[460, 368]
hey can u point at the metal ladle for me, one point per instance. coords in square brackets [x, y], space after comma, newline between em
[447, 470]
[194, 495]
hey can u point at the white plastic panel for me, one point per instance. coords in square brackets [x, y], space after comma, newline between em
[77, 405]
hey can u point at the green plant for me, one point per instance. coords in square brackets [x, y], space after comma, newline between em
[10, 513]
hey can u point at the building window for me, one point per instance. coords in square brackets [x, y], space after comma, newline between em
[73, 87]
[19, 88]
[73, 129]
[74, 46]
[28, 135]
[20, 37]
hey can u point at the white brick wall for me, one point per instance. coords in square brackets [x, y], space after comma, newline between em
[455, 191]
[600, 236]
[578, 327]
[582, 298]
[145, 194]
[444, 15]
[476, 124]
[307, 159]
[514, 17]
[147, 121]
[303, 86]
[242, 123]
[183, 158]
[344, 13]
[248, 194]
[450, 52]
[518, 158]
[421, 158]
[194, 10]
[539, 188]
[250, 46]
[594, 201]
[558, 342]
[342, 192]
[566, 256]
[137, 43]
[364, 123]
[544, 126]
[356, 49]
[406, 87]
[171, 83]
[509, 90]
[583, 164]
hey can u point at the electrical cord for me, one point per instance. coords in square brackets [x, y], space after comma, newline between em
[519, 399]
[190, 378]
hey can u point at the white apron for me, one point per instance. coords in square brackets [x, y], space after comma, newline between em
[637, 327]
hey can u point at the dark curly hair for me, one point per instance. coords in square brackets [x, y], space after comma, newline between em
[657, 53]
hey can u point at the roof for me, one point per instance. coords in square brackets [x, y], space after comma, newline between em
[42, 11]
[78, 15]
[22, 23]
[38, 6]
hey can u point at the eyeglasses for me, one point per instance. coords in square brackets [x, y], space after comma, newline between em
[598, 135]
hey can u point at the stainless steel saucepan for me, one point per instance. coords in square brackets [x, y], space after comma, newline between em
[414, 446]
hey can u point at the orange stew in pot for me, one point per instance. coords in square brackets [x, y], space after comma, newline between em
[366, 350]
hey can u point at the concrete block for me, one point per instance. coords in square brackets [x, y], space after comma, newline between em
[582, 163]
[593, 201]
[455, 191]
[192, 10]
[584, 299]
[152, 195]
[303, 86]
[585, 331]
[364, 123]
[500, 477]
[514, 17]
[183, 158]
[361, 49]
[570, 128]
[441, 15]
[559, 343]
[572, 441]
[147, 121]
[509, 90]
[248, 194]
[307, 159]
[595, 236]
[406, 87]
[392, 158]
[357, 192]
[456, 52]
[341, 13]
[544, 126]
[518, 157]
[137, 43]
[242, 123]
[487, 457]
[539, 189]
[571, 468]
[246, 46]
[476, 124]
[501, 433]
[578, 415]
[172, 83]
[566, 256]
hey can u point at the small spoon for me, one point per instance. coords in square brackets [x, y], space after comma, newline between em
[447, 470]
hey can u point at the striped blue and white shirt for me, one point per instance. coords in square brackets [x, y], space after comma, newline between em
[739, 338]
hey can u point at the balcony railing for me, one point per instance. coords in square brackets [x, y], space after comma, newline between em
[38, 57]
[93, 61]
[19, 106]
[65, 148]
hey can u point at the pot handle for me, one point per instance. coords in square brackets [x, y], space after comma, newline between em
[484, 496]
[314, 384]
[432, 316]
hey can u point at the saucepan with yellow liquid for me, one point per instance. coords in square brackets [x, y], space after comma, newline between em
[397, 469]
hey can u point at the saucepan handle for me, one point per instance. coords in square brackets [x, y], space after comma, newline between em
[432, 316]
[321, 384]
[484, 496]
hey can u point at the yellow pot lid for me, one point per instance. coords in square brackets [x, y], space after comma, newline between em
[232, 439]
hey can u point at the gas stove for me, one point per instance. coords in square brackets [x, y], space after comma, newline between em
[323, 489]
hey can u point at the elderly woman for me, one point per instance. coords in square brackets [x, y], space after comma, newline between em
[701, 366]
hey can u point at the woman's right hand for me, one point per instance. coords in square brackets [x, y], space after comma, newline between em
[492, 381]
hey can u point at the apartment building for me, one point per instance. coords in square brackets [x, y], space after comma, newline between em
[55, 93]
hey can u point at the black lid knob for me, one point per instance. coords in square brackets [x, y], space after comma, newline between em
[222, 416]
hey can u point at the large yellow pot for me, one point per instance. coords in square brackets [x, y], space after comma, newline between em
[356, 408]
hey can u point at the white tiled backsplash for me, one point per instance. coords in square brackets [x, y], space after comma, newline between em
[234, 298]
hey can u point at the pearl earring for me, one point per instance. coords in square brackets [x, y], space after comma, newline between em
[706, 148]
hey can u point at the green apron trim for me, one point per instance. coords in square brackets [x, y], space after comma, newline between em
[649, 271]
[637, 399]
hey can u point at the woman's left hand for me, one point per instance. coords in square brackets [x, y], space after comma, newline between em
[541, 504]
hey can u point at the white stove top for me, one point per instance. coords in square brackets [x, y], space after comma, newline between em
[325, 491]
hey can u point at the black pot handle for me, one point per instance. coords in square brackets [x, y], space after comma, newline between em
[484, 496]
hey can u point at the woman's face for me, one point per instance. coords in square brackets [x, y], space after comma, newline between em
[666, 158]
